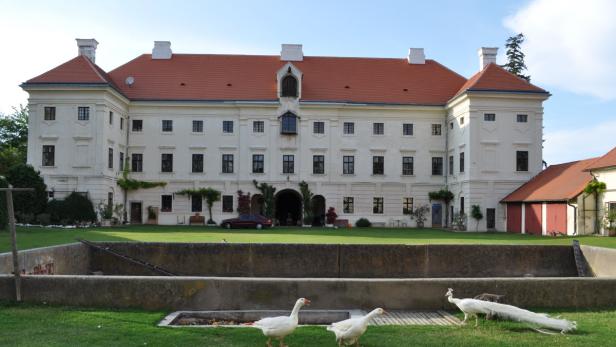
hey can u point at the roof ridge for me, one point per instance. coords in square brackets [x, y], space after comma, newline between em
[95, 67]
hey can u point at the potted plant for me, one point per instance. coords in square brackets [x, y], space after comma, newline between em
[459, 221]
[106, 213]
[152, 215]
[419, 214]
[610, 223]
[331, 216]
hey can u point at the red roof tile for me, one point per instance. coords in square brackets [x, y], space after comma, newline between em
[608, 160]
[556, 183]
[495, 78]
[77, 70]
[253, 78]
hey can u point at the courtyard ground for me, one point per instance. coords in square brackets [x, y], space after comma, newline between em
[39, 237]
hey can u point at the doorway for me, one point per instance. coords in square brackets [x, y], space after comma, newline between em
[437, 215]
[491, 218]
[288, 207]
[318, 210]
[136, 213]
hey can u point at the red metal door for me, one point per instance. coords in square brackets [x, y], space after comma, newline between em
[556, 218]
[533, 219]
[514, 217]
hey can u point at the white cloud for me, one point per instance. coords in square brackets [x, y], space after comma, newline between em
[580, 143]
[570, 44]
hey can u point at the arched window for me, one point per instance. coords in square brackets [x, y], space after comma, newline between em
[289, 86]
[288, 123]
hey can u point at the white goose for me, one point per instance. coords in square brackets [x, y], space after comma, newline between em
[350, 330]
[279, 327]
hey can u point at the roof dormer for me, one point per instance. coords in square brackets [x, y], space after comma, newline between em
[289, 80]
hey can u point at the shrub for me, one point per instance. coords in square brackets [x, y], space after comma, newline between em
[43, 218]
[420, 215]
[25, 203]
[3, 216]
[476, 214]
[331, 215]
[76, 208]
[363, 223]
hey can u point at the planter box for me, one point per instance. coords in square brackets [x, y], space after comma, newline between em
[196, 220]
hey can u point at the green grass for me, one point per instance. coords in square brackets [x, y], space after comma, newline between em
[39, 237]
[38, 325]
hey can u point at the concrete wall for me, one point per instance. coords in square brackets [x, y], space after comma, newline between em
[73, 259]
[193, 293]
[344, 261]
[601, 260]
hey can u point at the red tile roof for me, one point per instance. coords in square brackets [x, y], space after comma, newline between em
[211, 77]
[495, 78]
[606, 161]
[560, 182]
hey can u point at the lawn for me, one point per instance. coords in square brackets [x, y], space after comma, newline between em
[39, 237]
[37, 325]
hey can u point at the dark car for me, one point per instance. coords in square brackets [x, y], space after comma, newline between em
[247, 221]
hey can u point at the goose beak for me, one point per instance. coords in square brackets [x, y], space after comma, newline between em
[307, 302]
[385, 312]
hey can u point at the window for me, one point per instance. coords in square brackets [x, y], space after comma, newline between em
[319, 127]
[462, 205]
[121, 166]
[489, 117]
[137, 125]
[289, 86]
[490, 218]
[378, 128]
[166, 203]
[522, 118]
[521, 160]
[450, 125]
[227, 126]
[258, 126]
[197, 126]
[49, 155]
[110, 200]
[196, 203]
[436, 129]
[349, 128]
[167, 125]
[318, 164]
[288, 123]
[348, 165]
[288, 163]
[451, 165]
[461, 162]
[197, 162]
[121, 123]
[227, 163]
[257, 163]
[378, 165]
[110, 118]
[348, 204]
[227, 203]
[377, 205]
[83, 113]
[407, 205]
[407, 166]
[110, 159]
[437, 166]
[407, 129]
[166, 162]
[50, 113]
[137, 162]
[461, 120]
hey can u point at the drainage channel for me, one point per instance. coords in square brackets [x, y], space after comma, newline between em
[237, 318]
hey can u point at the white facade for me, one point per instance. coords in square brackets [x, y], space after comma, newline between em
[489, 147]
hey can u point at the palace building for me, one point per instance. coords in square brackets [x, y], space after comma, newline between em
[371, 136]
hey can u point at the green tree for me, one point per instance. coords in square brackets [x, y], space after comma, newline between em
[306, 202]
[3, 215]
[596, 188]
[27, 203]
[210, 195]
[515, 56]
[267, 193]
[13, 138]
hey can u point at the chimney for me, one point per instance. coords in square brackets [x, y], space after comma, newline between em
[291, 52]
[87, 48]
[416, 56]
[161, 50]
[487, 55]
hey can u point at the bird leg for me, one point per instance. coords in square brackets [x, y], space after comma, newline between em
[269, 342]
[282, 343]
[476, 320]
[465, 319]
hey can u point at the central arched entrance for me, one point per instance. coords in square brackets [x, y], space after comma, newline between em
[288, 207]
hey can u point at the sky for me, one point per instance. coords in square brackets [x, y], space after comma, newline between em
[570, 45]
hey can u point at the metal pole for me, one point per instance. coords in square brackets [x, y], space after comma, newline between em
[16, 270]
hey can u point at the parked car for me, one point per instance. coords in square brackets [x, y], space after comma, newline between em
[247, 221]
